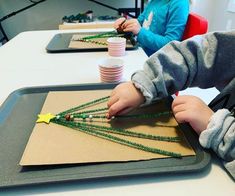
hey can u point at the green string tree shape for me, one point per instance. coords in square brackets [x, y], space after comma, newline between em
[94, 38]
[80, 118]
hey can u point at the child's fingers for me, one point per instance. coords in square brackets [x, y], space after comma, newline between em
[119, 22]
[124, 111]
[112, 100]
[116, 108]
[181, 117]
[131, 28]
[128, 29]
[178, 100]
[178, 108]
[128, 23]
[113, 93]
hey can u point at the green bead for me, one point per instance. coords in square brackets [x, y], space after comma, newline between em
[84, 116]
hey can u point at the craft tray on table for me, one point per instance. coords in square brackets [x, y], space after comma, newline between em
[17, 115]
[60, 43]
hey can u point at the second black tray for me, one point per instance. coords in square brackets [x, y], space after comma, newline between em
[60, 43]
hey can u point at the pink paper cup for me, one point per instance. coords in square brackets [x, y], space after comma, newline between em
[111, 70]
[116, 46]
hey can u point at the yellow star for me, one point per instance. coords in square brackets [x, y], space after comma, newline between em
[45, 118]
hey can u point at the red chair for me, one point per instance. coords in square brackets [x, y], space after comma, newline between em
[196, 25]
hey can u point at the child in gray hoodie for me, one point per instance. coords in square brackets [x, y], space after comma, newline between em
[202, 61]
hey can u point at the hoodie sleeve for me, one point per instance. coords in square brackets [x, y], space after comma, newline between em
[220, 137]
[202, 61]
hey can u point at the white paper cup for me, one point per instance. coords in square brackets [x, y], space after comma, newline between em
[111, 70]
[116, 46]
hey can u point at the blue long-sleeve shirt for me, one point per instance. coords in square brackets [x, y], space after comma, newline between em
[169, 18]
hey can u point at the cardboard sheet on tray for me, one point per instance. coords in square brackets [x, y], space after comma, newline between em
[84, 45]
[55, 144]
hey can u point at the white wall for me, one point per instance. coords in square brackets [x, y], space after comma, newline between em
[216, 13]
[223, 20]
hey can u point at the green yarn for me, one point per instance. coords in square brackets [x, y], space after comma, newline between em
[85, 105]
[70, 118]
[92, 41]
[104, 35]
[118, 140]
[88, 39]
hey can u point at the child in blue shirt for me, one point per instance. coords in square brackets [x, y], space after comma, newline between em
[161, 22]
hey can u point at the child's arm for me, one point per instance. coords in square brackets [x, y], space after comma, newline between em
[203, 61]
[216, 130]
[194, 62]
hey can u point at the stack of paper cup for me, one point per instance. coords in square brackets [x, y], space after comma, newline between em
[111, 70]
[116, 46]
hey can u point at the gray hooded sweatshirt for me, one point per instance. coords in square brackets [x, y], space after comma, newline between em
[202, 61]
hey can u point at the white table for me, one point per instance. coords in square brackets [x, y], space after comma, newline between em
[24, 62]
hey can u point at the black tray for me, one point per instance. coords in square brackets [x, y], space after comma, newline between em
[17, 122]
[60, 42]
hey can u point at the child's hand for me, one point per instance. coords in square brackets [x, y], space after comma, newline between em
[132, 25]
[118, 22]
[124, 98]
[192, 110]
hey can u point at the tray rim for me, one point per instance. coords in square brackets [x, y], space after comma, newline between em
[7, 107]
